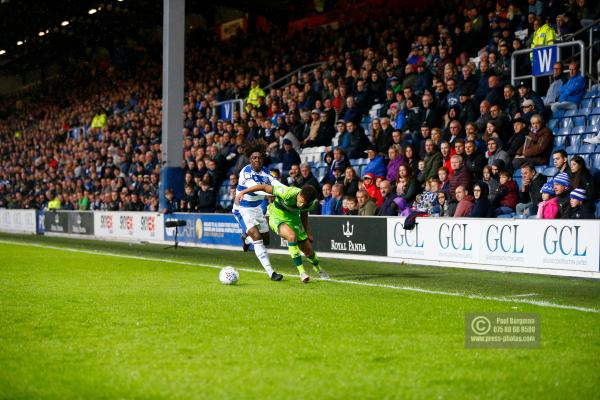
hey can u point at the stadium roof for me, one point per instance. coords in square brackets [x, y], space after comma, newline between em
[35, 32]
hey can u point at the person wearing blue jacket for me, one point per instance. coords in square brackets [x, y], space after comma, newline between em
[376, 164]
[572, 91]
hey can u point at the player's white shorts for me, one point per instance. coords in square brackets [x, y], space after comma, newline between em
[248, 217]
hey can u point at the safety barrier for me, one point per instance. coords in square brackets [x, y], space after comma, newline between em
[552, 247]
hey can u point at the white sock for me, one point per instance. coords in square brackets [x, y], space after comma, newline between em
[248, 240]
[263, 256]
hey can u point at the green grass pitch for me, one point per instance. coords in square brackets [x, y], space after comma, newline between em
[79, 325]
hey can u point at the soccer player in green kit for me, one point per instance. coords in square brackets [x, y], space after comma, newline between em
[288, 217]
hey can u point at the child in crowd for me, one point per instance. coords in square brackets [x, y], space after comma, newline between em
[548, 207]
[507, 195]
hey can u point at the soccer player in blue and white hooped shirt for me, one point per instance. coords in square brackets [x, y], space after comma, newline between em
[250, 212]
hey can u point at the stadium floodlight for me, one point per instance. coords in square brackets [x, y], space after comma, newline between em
[2, 52]
[42, 33]
[92, 11]
[19, 43]
[64, 23]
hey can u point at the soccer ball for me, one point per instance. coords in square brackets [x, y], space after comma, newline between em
[229, 276]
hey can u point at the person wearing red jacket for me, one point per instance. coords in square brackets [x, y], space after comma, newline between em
[371, 188]
[507, 195]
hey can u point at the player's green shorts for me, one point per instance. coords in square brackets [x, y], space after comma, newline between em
[278, 216]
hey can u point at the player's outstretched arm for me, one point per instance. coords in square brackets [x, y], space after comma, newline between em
[257, 188]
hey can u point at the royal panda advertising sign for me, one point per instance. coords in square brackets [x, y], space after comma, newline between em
[56, 222]
[344, 235]
[81, 223]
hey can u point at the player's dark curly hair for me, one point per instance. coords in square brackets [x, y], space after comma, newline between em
[256, 145]
[309, 193]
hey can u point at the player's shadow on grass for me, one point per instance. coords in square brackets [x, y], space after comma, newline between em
[367, 277]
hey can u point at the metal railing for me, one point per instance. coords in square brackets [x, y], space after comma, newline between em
[559, 46]
[228, 113]
[297, 71]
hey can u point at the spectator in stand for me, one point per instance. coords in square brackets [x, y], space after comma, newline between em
[560, 161]
[407, 186]
[572, 91]
[484, 115]
[530, 192]
[474, 160]
[517, 140]
[548, 206]
[465, 202]
[371, 188]
[495, 91]
[356, 139]
[288, 155]
[582, 178]
[507, 196]
[526, 94]
[537, 146]
[557, 79]
[171, 205]
[576, 209]
[562, 188]
[511, 102]
[307, 177]
[351, 112]
[388, 207]
[325, 203]
[495, 152]
[366, 204]
[482, 207]
[433, 162]
[460, 177]
[188, 202]
[491, 181]
[376, 164]
[335, 206]
[395, 160]
[350, 182]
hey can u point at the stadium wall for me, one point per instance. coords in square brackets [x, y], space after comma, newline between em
[551, 247]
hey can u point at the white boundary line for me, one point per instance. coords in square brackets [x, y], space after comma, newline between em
[509, 299]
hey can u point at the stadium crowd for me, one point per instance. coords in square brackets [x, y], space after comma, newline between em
[446, 129]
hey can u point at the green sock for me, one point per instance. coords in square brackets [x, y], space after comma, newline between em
[296, 256]
[314, 260]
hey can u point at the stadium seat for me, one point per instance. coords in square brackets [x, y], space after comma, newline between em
[596, 161]
[577, 130]
[562, 132]
[560, 141]
[579, 121]
[517, 173]
[595, 111]
[565, 123]
[587, 149]
[558, 114]
[586, 158]
[540, 169]
[571, 150]
[574, 140]
[550, 171]
[570, 113]
[594, 120]
[585, 103]
[552, 124]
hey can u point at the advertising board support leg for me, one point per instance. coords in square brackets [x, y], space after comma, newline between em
[174, 224]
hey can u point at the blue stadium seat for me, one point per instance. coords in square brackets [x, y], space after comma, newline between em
[596, 161]
[550, 171]
[577, 130]
[560, 141]
[540, 169]
[594, 120]
[552, 124]
[579, 121]
[558, 114]
[571, 150]
[585, 103]
[586, 158]
[575, 140]
[565, 123]
[562, 132]
[354, 161]
[517, 173]
[598, 210]
[587, 149]
[570, 113]
[595, 111]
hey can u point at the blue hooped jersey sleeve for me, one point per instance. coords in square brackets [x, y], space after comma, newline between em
[249, 178]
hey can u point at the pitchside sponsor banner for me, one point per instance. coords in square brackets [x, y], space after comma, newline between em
[18, 221]
[133, 225]
[217, 229]
[81, 222]
[344, 235]
[56, 222]
[552, 244]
